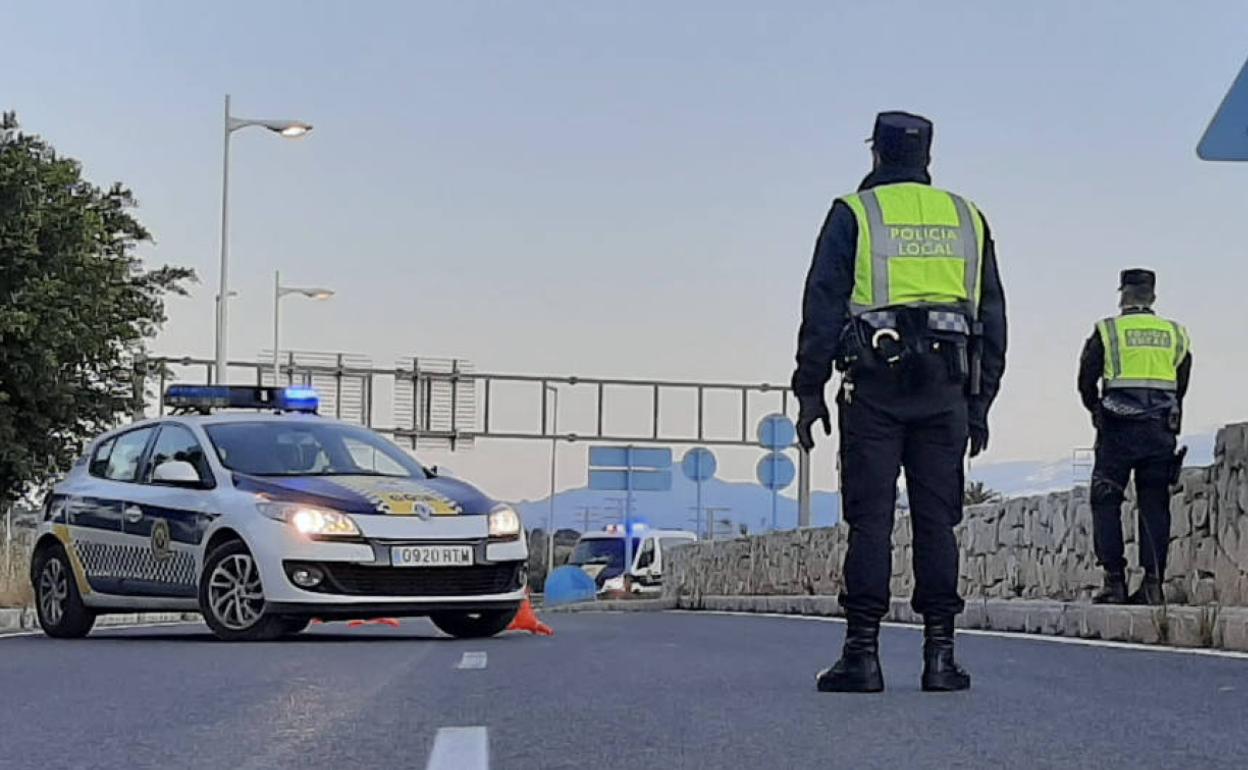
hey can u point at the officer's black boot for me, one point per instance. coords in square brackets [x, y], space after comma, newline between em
[941, 673]
[1114, 591]
[1149, 592]
[858, 670]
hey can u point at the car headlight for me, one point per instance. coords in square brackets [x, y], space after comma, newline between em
[504, 522]
[613, 584]
[311, 520]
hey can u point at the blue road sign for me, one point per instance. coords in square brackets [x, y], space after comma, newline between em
[775, 471]
[1226, 138]
[630, 457]
[698, 464]
[776, 431]
[621, 480]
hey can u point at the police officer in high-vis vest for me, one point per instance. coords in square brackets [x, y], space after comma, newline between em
[904, 298]
[1142, 363]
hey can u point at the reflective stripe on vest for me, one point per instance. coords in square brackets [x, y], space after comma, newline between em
[917, 246]
[1142, 351]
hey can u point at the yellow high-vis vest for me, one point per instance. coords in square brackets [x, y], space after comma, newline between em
[1142, 351]
[918, 246]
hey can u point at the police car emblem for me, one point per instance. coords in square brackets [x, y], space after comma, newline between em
[423, 510]
[161, 549]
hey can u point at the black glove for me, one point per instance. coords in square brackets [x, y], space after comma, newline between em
[978, 428]
[1096, 419]
[812, 409]
[979, 439]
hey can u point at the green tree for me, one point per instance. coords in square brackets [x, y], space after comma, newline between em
[978, 494]
[76, 308]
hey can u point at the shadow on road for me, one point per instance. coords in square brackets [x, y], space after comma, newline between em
[342, 637]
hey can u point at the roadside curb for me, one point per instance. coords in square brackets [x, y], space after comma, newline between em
[1210, 626]
[617, 605]
[17, 621]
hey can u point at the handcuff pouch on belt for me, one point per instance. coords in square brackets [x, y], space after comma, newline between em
[888, 339]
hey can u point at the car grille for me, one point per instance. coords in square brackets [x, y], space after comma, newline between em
[362, 580]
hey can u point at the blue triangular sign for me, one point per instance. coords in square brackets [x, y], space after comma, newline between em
[1226, 138]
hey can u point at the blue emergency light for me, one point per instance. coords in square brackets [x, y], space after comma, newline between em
[205, 398]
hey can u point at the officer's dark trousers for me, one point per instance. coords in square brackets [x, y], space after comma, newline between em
[885, 424]
[1147, 448]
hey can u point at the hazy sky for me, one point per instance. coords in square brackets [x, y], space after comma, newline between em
[633, 189]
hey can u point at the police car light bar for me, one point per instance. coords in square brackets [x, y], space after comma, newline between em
[205, 398]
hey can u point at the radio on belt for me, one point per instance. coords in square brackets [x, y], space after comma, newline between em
[205, 398]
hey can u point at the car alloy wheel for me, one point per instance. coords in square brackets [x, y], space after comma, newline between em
[53, 591]
[234, 592]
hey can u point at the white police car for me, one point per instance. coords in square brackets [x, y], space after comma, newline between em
[265, 519]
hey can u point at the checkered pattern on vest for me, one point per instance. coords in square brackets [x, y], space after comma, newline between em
[937, 320]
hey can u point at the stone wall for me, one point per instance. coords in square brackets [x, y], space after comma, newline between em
[1024, 548]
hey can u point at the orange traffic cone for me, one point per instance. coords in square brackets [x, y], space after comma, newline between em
[391, 622]
[526, 620]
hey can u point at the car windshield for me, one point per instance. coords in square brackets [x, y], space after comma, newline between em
[602, 550]
[309, 448]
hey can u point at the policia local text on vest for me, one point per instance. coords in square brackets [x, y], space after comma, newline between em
[1133, 376]
[904, 298]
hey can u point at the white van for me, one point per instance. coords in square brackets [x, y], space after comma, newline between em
[601, 555]
[647, 571]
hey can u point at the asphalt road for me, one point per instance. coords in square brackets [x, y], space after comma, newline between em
[632, 691]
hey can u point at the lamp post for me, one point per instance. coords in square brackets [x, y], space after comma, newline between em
[289, 129]
[554, 450]
[280, 291]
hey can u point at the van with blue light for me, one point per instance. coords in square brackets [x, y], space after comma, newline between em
[601, 555]
[246, 506]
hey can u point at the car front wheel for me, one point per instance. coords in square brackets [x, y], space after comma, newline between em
[62, 615]
[474, 624]
[231, 596]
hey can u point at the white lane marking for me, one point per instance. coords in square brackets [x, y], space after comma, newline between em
[472, 660]
[37, 632]
[460, 748]
[1002, 634]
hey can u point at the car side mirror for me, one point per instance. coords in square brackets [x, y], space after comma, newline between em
[177, 473]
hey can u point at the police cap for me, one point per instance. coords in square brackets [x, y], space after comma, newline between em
[1137, 276]
[902, 137]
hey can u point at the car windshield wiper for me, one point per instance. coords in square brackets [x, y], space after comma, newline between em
[356, 473]
[307, 474]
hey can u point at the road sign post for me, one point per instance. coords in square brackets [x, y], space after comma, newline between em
[803, 488]
[775, 471]
[627, 469]
[698, 465]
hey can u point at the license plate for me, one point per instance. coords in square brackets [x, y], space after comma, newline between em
[431, 555]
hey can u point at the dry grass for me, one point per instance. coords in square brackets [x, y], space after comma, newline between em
[14, 579]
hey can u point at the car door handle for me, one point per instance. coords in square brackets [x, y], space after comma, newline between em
[133, 514]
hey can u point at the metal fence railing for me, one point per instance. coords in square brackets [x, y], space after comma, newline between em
[444, 403]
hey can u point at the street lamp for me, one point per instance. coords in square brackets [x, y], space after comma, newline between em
[280, 291]
[554, 453]
[289, 129]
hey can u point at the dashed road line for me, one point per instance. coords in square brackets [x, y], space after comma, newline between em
[460, 748]
[472, 660]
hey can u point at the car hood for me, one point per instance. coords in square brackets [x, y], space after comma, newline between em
[373, 494]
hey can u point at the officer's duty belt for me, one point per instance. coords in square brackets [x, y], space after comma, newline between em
[937, 320]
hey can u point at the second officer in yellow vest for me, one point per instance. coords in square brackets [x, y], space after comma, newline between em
[903, 295]
[1142, 364]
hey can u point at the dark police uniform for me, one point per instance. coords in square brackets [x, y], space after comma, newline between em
[1134, 392]
[921, 370]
